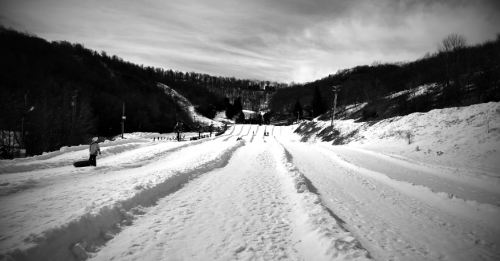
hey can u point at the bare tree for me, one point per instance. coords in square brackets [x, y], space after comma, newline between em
[453, 43]
[451, 49]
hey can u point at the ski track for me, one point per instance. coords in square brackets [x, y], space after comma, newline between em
[50, 195]
[258, 198]
[393, 226]
[247, 210]
[209, 209]
[439, 179]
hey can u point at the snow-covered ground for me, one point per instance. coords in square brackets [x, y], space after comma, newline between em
[412, 93]
[221, 117]
[196, 117]
[286, 196]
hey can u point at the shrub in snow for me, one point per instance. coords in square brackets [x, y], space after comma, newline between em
[302, 188]
[417, 149]
[108, 236]
[138, 210]
[127, 222]
[409, 137]
[79, 252]
[369, 112]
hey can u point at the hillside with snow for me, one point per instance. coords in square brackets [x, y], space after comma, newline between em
[289, 195]
[464, 136]
[185, 103]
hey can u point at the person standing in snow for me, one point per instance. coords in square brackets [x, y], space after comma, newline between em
[93, 150]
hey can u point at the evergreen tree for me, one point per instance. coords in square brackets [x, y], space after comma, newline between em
[259, 118]
[317, 103]
[267, 117]
[297, 110]
[238, 107]
[241, 118]
[229, 108]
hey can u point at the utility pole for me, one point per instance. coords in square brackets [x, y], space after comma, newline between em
[335, 90]
[73, 110]
[23, 149]
[123, 119]
[22, 145]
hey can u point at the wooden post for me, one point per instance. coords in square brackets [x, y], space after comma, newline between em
[22, 123]
[123, 119]
[335, 89]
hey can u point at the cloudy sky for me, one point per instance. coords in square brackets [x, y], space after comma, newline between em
[277, 40]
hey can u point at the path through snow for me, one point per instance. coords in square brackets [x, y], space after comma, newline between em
[245, 210]
[245, 196]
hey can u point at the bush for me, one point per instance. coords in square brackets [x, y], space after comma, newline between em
[369, 112]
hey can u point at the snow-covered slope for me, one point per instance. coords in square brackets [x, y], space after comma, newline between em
[463, 136]
[187, 104]
[244, 195]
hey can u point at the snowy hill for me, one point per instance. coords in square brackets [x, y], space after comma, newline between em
[464, 136]
[245, 195]
[195, 116]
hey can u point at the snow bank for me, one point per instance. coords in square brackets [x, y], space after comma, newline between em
[66, 156]
[127, 191]
[477, 212]
[470, 134]
[318, 223]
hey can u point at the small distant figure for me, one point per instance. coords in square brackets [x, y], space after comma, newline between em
[93, 150]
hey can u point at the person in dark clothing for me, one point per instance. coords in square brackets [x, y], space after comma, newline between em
[93, 150]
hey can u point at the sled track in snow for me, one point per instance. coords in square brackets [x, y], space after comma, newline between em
[330, 227]
[91, 230]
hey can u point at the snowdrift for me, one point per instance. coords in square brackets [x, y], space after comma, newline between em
[96, 211]
[471, 134]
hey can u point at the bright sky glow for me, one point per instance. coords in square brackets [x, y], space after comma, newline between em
[280, 40]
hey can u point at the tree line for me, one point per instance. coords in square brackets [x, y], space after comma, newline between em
[462, 74]
[61, 94]
[56, 94]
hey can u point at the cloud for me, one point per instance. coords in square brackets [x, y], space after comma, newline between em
[283, 40]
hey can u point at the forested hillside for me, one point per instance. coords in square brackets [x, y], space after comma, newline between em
[61, 93]
[461, 75]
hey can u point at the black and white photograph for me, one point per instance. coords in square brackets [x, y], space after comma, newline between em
[200, 130]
